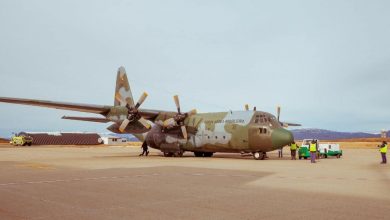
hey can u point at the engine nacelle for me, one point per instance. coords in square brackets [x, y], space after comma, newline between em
[166, 141]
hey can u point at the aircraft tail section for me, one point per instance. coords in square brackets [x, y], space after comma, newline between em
[123, 93]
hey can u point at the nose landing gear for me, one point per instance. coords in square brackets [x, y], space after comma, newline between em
[259, 155]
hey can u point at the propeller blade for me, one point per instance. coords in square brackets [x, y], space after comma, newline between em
[278, 111]
[169, 122]
[246, 107]
[124, 124]
[192, 112]
[177, 103]
[144, 122]
[141, 100]
[184, 131]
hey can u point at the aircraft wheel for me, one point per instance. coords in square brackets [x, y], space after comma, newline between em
[259, 155]
[208, 154]
[179, 154]
[167, 154]
[300, 157]
[198, 154]
[338, 156]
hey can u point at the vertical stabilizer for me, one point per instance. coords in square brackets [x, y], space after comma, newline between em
[123, 94]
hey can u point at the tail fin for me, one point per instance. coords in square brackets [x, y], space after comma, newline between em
[123, 94]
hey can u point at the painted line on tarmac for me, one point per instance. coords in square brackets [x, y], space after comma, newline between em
[122, 177]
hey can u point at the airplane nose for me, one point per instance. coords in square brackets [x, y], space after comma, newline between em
[281, 137]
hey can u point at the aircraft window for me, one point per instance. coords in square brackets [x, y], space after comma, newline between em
[257, 121]
[216, 137]
[265, 130]
[208, 137]
[262, 120]
[261, 130]
[224, 137]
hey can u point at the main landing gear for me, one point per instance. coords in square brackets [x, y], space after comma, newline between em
[173, 154]
[259, 155]
[203, 154]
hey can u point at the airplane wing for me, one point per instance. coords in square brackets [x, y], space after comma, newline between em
[97, 109]
[89, 119]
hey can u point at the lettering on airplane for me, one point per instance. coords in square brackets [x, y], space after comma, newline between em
[228, 121]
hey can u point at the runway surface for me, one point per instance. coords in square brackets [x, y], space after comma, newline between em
[115, 183]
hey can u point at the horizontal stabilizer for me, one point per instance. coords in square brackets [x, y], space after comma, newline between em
[288, 124]
[90, 119]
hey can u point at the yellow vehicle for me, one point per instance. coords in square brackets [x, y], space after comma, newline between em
[21, 140]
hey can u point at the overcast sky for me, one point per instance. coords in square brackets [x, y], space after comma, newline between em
[327, 63]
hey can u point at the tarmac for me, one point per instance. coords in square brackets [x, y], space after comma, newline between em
[115, 183]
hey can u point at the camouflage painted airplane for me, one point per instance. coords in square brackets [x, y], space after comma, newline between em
[173, 133]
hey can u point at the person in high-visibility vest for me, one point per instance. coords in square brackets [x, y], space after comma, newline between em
[293, 148]
[313, 151]
[383, 150]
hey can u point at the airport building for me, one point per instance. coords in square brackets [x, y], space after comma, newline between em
[112, 140]
[59, 138]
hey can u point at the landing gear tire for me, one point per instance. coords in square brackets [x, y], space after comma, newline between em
[300, 157]
[198, 154]
[208, 154]
[168, 154]
[179, 154]
[259, 155]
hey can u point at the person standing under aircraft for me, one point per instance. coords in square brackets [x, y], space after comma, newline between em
[293, 148]
[144, 149]
[383, 150]
[280, 152]
[313, 151]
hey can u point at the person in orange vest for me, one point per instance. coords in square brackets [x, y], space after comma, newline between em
[313, 151]
[383, 150]
[293, 148]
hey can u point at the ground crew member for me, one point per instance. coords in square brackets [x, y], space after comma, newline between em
[313, 151]
[144, 149]
[383, 150]
[293, 148]
[280, 151]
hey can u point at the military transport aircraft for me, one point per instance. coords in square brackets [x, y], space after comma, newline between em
[173, 133]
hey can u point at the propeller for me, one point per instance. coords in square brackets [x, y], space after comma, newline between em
[133, 114]
[179, 118]
[284, 124]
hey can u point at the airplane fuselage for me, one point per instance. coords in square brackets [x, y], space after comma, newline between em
[238, 131]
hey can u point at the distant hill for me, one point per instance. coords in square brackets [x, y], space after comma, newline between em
[321, 134]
